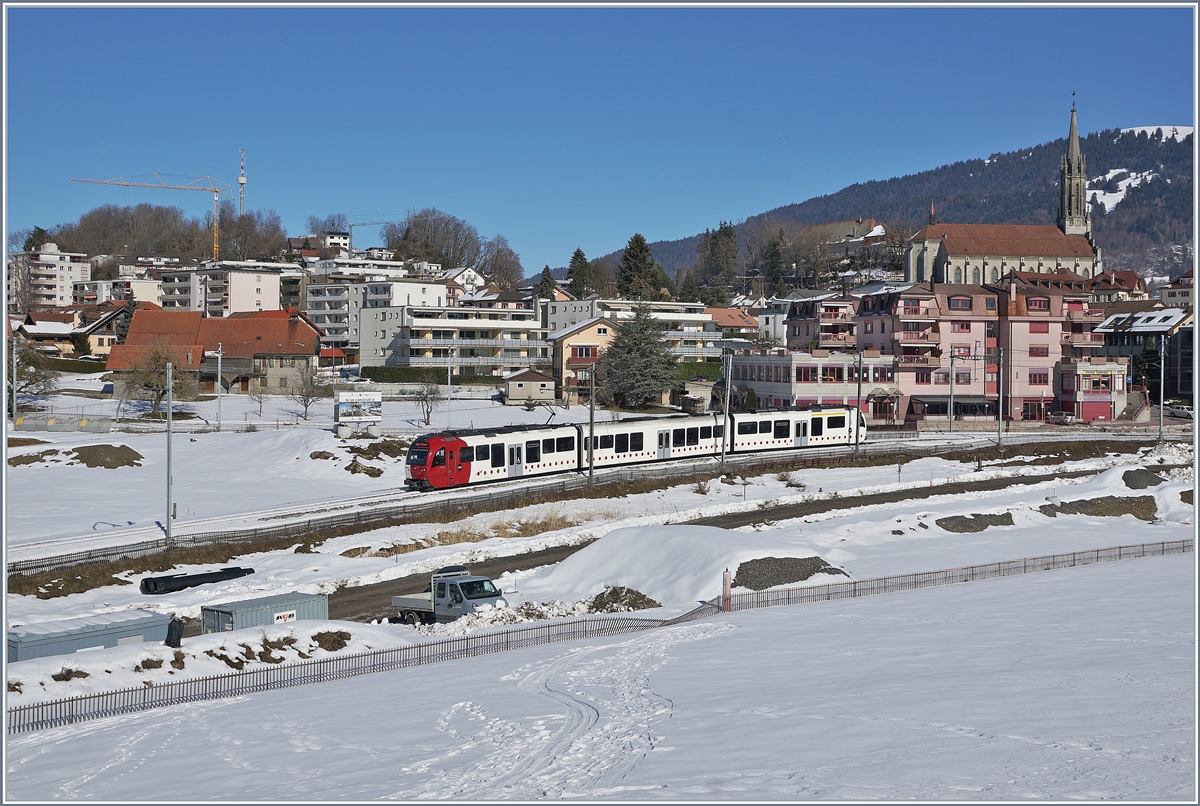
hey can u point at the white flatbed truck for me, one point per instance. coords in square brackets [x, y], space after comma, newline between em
[453, 592]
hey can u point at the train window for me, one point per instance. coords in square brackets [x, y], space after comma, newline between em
[764, 427]
[837, 422]
[439, 458]
[467, 454]
[514, 454]
[678, 437]
[706, 432]
[606, 441]
[818, 424]
[622, 443]
[718, 431]
[548, 445]
[747, 428]
[693, 436]
[533, 451]
[498, 454]
[482, 453]
[635, 442]
[801, 429]
[565, 444]
[782, 429]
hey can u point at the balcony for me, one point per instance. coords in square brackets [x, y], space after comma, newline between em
[915, 335]
[913, 361]
[1083, 339]
[1095, 315]
[833, 316]
[913, 312]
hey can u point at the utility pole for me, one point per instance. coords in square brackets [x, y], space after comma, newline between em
[169, 384]
[951, 410]
[1000, 399]
[858, 405]
[725, 435]
[218, 387]
[14, 381]
[1162, 374]
[591, 422]
[449, 388]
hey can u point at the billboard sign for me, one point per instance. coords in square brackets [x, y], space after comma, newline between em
[358, 407]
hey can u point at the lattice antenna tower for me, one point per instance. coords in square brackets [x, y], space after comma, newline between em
[242, 186]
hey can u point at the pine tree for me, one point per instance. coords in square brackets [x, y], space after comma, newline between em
[638, 365]
[121, 326]
[580, 275]
[546, 285]
[637, 271]
[689, 291]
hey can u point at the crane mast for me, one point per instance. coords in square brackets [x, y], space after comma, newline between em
[212, 187]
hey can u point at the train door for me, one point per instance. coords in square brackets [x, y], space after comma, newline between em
[515, 465]
[664, 444]
[454, 465]
[801, 433]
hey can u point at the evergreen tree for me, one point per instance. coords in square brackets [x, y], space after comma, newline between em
[638, 365]
[121, 326]
[637, 279]
[581, 275]
[546, 285]
[689, 291]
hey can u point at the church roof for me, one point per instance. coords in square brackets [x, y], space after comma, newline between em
[1007, 240]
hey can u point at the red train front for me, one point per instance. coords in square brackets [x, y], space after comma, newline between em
[435, 462]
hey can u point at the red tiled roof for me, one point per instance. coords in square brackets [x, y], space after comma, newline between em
[128, 356]
[1001, 240]
[291, 333]
[731, 317]
[1111, 280]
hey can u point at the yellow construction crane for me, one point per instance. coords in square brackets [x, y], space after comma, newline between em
[212, 187]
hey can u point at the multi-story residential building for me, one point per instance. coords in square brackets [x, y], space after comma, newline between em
[100, 291]
[822, 322]
[1127, 332]
[472, 341]
[335, 241]
[780, 377]
[576, 351]
[225, 287]
[45, 277]
[1117, 286]
[687, 327]
[335, 303]
[772, 318]
[1180, 293]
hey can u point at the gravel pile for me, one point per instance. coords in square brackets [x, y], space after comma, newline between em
[1142, 507]
[1141, 478]
[769, 572]
[975, 523]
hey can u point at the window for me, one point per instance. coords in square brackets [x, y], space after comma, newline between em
[679, 437]
[747, 428]
[706, 432]
[622, 443]
[601, 331]
[960, 303]
[818, 425]
[1097, 383]
[693, 436]
[764, 427]
[962, 377]
[439, 458]
[806, 374]
[563, 444]
[869, 327]
[1039, 351]
[1039, 303]
[989, 330]
[961, 350]
[990, 302]
[1068, 383]
[782, 429]
[941, 377]
[831, 373]
[923, 376]
[283, 383]
[1039, 327]
[960, 327]
[836, 422]
[467, 454]
[606, 441]
[548, 445]
[497, 454]
[482, 453]
[1039, 377]
[884, 374]
[636, 442]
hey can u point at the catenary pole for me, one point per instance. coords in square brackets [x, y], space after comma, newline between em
[449, 388]
[1162, 375]
[1000, 399]
[951, 409]
[169, 403]
[858, 404]
[591, 422]
[727, 435]
[218, 386]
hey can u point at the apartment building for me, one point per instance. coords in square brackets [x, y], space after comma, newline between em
[575, 351]
[822, 322]
[45, 277]
[688, 328]
[472, 341]
[225, 287]
[781, 377]
[101, 291]
[336, 302]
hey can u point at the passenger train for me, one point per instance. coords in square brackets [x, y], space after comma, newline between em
[458, 458]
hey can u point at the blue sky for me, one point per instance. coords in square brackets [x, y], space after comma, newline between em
[558, 128]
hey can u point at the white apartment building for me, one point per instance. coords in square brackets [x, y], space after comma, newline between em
[337, 304]
[688, 328]
[51, 275]
[474, 341]
[100, 291]
[225, 287]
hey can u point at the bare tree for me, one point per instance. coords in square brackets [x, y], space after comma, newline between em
[258, 394]
[434, 236]
[306, 390]
[148, 376]
[500, 264]
[33, 373]
[330, 223]
[429, 396]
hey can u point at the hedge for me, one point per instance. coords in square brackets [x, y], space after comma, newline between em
[72, 365]
[425, 375]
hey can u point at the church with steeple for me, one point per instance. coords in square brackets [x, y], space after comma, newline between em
[983, 253]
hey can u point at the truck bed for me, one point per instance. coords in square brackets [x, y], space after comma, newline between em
[416, 601]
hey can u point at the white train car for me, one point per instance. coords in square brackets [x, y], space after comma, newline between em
[812, 426]
[653, 439]
[455, 458]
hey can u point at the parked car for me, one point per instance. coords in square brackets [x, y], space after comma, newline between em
[1061, 417]
[1180, 410]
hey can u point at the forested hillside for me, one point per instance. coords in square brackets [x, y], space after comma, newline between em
[1019, 187]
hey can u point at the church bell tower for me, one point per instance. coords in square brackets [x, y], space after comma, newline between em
[1073, 216]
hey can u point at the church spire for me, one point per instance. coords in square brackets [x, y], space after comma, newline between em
[932, 218]
[1073, 217]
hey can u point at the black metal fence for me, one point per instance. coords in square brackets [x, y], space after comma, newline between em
[453, 505]
[38, 716]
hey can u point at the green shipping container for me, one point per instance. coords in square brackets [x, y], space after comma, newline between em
[283, 608]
